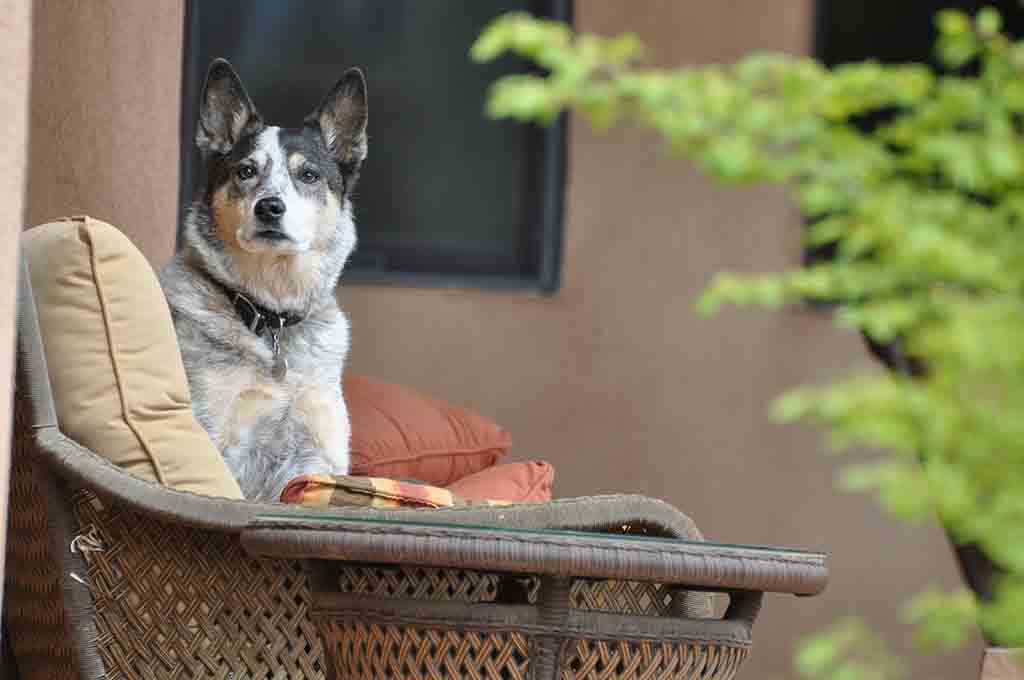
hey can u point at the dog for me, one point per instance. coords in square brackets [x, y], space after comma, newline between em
[252, 290]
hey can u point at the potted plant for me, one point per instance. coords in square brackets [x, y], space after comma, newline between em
[923, 215]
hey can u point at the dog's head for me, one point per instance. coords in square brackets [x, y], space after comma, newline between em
[276, 192]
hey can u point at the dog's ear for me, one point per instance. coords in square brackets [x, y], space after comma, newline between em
[341, 118]
[225, 112]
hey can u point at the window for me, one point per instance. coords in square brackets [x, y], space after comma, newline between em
[446, 196]
[892, 32]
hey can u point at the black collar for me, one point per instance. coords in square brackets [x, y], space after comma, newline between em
[258, 318]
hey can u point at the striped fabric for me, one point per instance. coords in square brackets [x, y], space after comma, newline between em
[373, 492]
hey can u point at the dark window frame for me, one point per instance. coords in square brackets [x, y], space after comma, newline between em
[541, 238]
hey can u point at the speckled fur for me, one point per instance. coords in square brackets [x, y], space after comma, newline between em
[269, 430]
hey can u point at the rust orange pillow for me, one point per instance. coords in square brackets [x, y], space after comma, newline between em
[524, 482]
[400, 433]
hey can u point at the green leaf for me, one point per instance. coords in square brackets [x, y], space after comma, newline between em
[731, 158]
[847, 650]
[989, 21]
[952, 23]
[943, 619]
[902, 489]
[623, 49]
[1001, 618]
[525, 98]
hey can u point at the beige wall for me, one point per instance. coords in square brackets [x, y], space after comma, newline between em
[15, 32]
[104, 116]
[612, 379]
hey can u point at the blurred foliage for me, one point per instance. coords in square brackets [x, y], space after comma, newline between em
[924, 209]
[849, 650]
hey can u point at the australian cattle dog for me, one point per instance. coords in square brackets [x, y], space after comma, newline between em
[252, 290]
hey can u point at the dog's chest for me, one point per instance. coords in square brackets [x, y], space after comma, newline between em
[249, 406]
[258, 416]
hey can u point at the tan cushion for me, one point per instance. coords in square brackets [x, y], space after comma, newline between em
[114, 364]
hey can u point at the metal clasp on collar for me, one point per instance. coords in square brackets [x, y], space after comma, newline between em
[257, 318]
[275, 336]
[280, 369]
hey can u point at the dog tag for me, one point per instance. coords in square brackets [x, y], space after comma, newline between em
[280, 369]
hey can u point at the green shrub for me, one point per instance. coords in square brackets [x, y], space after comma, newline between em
[924, 209]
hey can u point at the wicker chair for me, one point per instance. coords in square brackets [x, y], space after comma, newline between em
[110, 576]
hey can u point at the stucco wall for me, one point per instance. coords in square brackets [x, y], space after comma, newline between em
[15, 36]
[106, 87]
[613, 379]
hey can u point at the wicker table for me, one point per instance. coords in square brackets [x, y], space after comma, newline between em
[400, 600]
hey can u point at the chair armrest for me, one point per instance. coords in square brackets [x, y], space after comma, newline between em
[694, 564]
[74, 462]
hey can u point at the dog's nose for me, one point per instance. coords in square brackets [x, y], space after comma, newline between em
[270, 209]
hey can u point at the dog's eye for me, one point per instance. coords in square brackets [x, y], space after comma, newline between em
[246, 172]
[309, 176]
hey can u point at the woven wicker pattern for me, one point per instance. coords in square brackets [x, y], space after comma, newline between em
[600, 660]
[32, 589]
[402, 624]
[382, 651]
[626, 597]
[420, 583]
[34, 597]
[175, 602]
[463, 585]
[389, 652]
